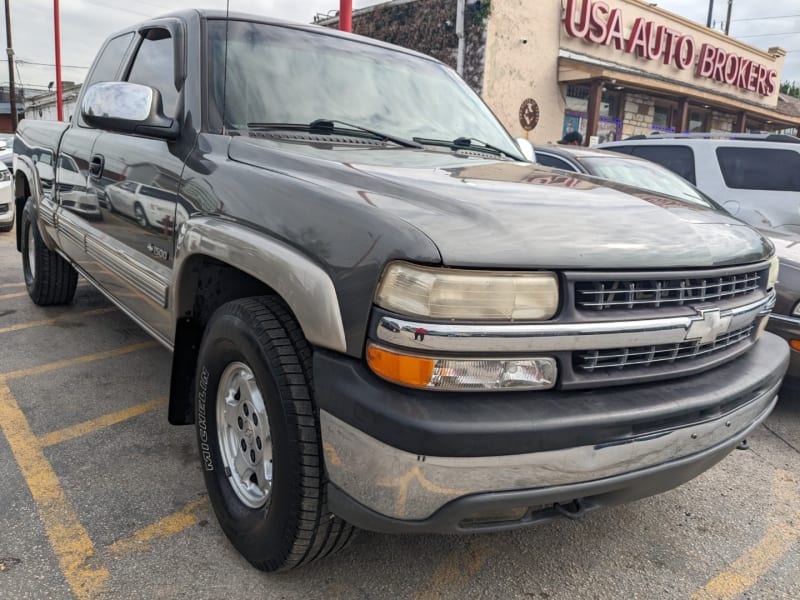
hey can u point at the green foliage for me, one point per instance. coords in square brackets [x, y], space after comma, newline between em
[484, 12]
[791, 87]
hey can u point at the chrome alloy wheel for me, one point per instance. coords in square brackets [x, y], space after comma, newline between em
[31, 251]
[243, 434]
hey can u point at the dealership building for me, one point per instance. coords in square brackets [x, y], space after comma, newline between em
[609, 69]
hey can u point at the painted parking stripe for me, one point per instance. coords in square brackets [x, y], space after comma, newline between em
[456, 570]
[68, 538]
[11, 285]
[70, 316]
[761, 557]
[87, 358]
[68, 433]
[13, 295]
[141, 540]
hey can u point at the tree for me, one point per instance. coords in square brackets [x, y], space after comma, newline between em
[791, 87]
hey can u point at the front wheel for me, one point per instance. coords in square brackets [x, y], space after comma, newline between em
[49, 278]
[259, 437]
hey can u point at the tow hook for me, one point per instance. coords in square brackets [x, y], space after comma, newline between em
[743, 445]
[574, 510]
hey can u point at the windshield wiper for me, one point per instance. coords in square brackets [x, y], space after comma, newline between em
[467, 143]
[328, 127]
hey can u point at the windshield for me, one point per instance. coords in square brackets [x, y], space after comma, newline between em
[283, 75]
[646, 175]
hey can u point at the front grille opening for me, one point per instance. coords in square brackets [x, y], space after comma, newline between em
[631, 294]
[646, 356]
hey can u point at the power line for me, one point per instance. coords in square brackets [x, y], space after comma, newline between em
[767, 34]
[20, 61]
[765, 18]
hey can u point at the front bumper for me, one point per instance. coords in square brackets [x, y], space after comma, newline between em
[399, 460]
[789, 329]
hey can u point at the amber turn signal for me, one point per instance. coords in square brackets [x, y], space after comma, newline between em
[795, 344]
[400, 368]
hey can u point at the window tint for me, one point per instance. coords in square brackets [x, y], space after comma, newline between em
[154, 65]
[678, 159]
[760, 169]
[620, 149]
[549, 160]
[107, 64]
[67, 164]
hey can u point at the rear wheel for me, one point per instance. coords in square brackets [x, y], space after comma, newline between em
[49, 278]
[141, 217]
[259, 438]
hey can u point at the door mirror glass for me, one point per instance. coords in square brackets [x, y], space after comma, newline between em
[526, 149]
[127, 108]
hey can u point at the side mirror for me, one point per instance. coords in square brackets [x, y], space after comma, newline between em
[526, 149]
[127, 108]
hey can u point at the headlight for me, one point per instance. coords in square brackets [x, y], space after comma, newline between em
[796, 310]
[774, 268]
[5, 175]
[463, 374]
[440, 293]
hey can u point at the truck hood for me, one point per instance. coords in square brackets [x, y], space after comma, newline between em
[483, 212]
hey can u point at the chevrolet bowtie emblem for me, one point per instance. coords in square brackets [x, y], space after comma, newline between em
[709, 326]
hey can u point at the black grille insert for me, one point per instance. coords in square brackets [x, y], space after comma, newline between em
[649, 294]
[645, 356]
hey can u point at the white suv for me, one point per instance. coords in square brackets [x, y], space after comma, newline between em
[756, 177]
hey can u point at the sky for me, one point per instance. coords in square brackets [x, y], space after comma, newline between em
[86, 23]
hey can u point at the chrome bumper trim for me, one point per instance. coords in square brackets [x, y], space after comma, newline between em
[785, 319]
[552, 337]
[407, 486]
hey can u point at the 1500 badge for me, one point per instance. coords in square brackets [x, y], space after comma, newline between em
[157, 252]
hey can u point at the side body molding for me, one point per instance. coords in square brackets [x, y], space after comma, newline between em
[303, 285]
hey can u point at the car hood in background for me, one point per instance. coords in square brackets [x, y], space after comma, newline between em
[483, 212]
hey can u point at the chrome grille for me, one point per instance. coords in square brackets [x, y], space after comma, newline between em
[645, 356]
[658, 293]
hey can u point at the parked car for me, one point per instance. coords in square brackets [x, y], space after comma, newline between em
[6, 200]
[381, 315]
[7, 150]
[621, 168]
[147, 205]
[630, 170]
[755, 176]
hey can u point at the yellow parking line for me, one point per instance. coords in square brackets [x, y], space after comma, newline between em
[68, 433]
[69, 362]
[170, 525]
[64, 317]
[68, 538]
[456, 570]
[13, 295]
[11, 285]
[780, 538]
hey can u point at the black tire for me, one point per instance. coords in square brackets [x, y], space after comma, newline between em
[52, 280]
[293, 527]
[140, 215]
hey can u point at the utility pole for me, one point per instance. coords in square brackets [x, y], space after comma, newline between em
[57, 27]
[460, 35]
[12, 88]
[728, 18]
[710, 12]
[345, 15]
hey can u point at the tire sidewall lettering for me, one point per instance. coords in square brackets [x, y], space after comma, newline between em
[202, 422]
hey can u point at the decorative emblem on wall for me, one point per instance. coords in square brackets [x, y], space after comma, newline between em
[529, 114]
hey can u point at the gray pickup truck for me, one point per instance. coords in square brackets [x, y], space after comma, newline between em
[381, 315]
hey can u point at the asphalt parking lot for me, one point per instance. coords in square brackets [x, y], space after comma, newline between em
[101, 498]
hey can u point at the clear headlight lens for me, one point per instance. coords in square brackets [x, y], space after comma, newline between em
[438, 293]
[458, 374]
[5, 175]
[774, 268]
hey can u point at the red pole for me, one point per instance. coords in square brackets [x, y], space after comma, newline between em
[57, 25]
[345, 15]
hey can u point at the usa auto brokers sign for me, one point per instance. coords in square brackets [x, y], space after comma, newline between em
[597, 23]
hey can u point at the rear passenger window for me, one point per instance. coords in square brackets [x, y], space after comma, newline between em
[760, 169]
[678, 159]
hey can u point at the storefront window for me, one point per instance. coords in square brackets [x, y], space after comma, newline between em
[698, 121]
[662, 119]
[577, 108]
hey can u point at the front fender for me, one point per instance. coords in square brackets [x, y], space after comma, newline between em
[28, 186]
[302, 284]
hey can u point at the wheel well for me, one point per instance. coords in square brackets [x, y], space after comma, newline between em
[206, 284]
[22, 190]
